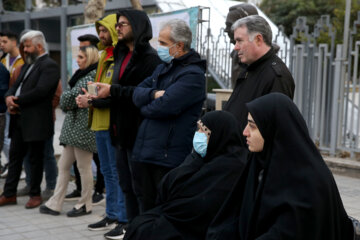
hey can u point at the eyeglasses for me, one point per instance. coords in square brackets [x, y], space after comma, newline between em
[121, 24]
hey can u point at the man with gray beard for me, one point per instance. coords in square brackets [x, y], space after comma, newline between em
[29, 101]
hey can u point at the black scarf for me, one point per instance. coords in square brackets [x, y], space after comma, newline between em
[81, 73]
[298, 196]
[223, 137]
[190, 195]
[286, 191]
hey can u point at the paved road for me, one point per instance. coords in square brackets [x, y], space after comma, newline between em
[350, 194]
[17, 223]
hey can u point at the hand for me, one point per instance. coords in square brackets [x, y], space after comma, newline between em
[10, 101]
[12, 106]
[82, 99]
[159, 94]
[103, 90]
[13, 110]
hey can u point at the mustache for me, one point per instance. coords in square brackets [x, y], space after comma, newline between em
[30, 58]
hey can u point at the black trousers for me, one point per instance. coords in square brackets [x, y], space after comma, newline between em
[18, 150]
[146, 180]
[99, 185]
[123, 162]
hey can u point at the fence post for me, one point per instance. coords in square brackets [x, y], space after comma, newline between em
[336, 101]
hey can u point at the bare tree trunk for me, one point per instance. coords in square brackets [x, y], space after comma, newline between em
[94, 10]
[136, 4]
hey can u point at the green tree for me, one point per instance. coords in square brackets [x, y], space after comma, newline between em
[339, 18]
[285, 12]
[14, 5]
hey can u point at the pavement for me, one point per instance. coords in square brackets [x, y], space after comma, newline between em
[18, 223]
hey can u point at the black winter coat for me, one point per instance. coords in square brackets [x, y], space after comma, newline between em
[125, 117]
[267, 74]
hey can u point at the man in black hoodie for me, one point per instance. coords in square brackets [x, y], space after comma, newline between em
[134, 60]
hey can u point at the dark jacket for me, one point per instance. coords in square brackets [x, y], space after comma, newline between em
[166, 133]
[4, 86]
[267, 74]
[125, 117]
[35, 99]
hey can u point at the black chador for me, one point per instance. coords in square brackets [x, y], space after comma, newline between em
[286, 191]
[190, 195]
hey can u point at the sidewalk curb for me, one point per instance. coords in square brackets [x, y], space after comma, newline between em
[343, 166]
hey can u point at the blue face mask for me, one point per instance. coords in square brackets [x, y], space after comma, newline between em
[200, 143]
[164, 54]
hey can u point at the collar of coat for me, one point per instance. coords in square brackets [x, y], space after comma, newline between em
[258, 62]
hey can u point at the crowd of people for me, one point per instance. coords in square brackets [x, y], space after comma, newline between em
[169, 171]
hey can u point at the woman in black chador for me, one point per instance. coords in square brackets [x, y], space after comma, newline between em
[286, 191]
[190, 195]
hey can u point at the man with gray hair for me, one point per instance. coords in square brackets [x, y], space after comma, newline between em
[170, 101]
[237, 12]
[264, 71]
[29, 101]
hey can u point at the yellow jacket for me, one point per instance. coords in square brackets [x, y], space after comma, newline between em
[99, 117]
[17, 63]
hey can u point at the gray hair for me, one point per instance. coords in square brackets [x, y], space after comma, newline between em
[36, 37]
[255, 25]
[179, 32]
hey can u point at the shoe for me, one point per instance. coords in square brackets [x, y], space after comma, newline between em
[4, 171]
[97, 198]
[22, 175]
[7, 200]
[46, 194]
[75, 195]
[23, 191]
[104, 224]
[33, 202]
[78, 212]
[45, 210]
[116, 233]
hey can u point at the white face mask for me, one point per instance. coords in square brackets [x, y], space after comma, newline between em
[200, 143]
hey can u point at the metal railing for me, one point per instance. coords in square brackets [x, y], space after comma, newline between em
[327, 85]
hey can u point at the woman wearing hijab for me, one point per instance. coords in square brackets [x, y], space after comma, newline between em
[286, 191]
[190, 195]
[77, 138]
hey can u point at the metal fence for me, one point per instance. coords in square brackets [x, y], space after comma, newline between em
[327, 85]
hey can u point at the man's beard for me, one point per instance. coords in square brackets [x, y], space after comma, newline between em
[106, 42]
[30, 58]
[128, 38]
